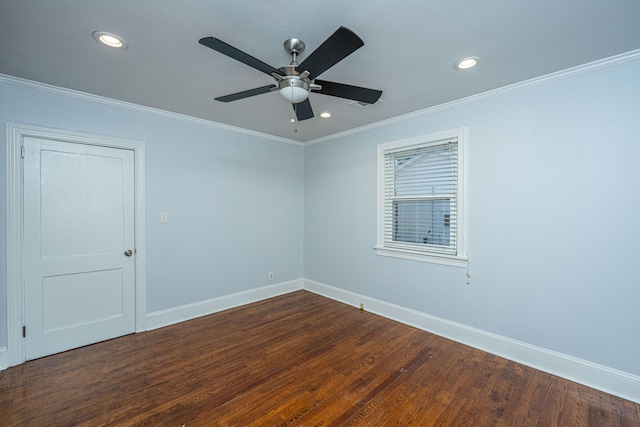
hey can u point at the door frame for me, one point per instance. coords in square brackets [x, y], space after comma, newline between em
[15, 256]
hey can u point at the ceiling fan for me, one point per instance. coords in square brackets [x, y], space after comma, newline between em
[295, 81]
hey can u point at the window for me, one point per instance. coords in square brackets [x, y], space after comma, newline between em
[421, 198]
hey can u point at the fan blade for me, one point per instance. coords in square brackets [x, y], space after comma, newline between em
[338, 46]
[341, 90]
[246, 93]
[238, 55]
[303, 110]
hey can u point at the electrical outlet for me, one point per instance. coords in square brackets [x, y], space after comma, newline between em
[361, 306]
[271, 276]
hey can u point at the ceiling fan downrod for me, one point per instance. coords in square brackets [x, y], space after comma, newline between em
[293, 48]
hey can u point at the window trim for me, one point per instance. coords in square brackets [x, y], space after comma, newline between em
[460, 259]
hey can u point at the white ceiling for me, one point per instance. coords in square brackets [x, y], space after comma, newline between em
[409, 52]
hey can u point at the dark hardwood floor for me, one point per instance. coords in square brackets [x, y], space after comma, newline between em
[295, 360]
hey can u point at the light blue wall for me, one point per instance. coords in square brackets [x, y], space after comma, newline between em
[554, 203]
[554, 217]
[234, 200]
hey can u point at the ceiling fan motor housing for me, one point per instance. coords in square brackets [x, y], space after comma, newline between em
[293, 86]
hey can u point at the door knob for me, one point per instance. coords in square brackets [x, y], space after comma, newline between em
[128, 252]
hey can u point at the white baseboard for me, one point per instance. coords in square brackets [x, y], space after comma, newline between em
[4, 358]
[173, 315]
[593, 375]
[613, 381]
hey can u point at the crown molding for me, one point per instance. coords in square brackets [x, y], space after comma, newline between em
[72, 93]
[600, 64]
[630, 56]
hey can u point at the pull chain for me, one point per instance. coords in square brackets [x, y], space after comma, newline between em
[293, 120]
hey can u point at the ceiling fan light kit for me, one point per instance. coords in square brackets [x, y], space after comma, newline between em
[294, 90]
[295, 81]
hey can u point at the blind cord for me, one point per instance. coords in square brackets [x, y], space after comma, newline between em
[468, 272]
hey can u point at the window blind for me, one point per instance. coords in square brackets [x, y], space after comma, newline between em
[421, 206]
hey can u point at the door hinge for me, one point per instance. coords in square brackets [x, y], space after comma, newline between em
[24, 332]
[22, 151]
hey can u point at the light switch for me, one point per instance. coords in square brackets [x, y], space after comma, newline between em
[164, 217]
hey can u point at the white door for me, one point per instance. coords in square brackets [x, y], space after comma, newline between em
[78, 231]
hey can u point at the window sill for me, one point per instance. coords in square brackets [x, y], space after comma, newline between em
[452, 261]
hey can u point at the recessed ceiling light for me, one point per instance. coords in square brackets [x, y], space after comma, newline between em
[110, 39]
[325, 115]
[466, 63]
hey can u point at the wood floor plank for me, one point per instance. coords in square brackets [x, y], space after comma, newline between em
[295, 360]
